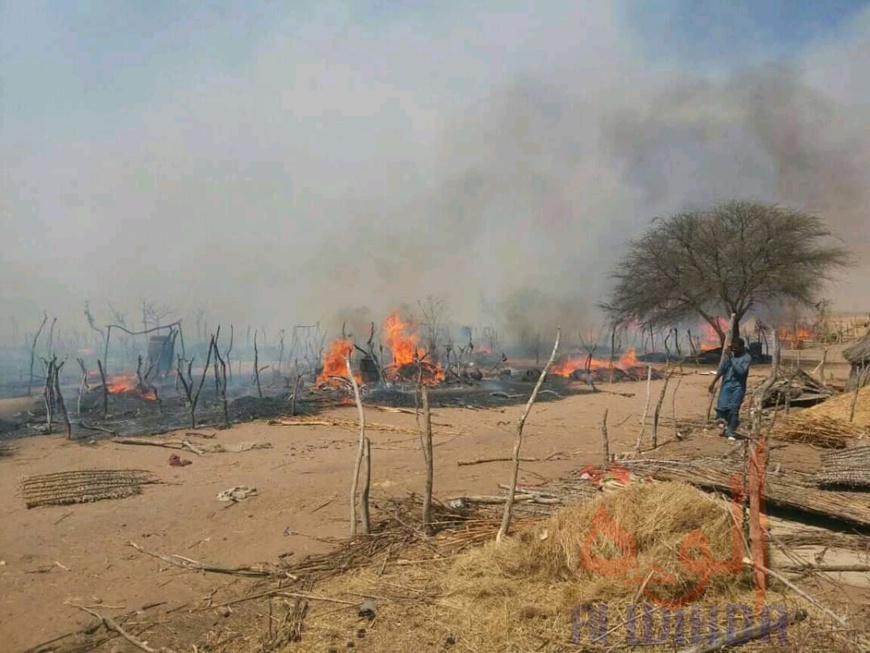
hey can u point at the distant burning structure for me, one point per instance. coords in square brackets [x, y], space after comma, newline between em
[408, 361]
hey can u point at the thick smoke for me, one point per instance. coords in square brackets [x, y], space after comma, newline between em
[542, 190]
[341, 176]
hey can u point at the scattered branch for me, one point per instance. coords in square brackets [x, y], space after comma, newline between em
[481, 461]
[111, 624]
[193, 565]
[167, 444]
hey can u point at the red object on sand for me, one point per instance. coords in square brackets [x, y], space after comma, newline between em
[175, 461]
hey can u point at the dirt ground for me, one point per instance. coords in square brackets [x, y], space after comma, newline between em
[54, 556]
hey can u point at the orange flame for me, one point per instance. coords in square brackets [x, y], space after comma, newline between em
[334, 363]
[795, 337]
[125, 383]
[403, 347]
[709, 338]
[570, 365]
[404, 350]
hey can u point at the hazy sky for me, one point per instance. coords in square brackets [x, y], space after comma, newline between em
[276, 165]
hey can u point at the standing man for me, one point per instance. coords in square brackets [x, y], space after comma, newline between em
[733, 371]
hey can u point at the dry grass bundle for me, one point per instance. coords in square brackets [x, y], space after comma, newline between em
[651, 520]
[520, 595]
[83, 486]
[514, 598]
[816, 429]
[840, 406]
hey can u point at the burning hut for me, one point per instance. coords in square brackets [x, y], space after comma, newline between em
[858, 356]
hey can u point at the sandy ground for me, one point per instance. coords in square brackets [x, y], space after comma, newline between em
[52, 556]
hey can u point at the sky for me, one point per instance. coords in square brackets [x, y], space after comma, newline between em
[278, 165]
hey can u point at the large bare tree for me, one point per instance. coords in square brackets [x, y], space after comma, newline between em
[724, 259]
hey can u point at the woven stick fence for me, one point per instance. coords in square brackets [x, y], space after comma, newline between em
[788, 489]
[849, 468]
[83, 486]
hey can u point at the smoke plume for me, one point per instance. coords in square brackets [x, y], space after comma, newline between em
[349, 166]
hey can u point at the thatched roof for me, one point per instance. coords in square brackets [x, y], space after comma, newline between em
[859, 353]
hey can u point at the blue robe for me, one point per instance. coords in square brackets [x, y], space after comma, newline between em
[735, 372]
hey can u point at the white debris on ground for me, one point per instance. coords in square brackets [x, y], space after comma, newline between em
[236, 493]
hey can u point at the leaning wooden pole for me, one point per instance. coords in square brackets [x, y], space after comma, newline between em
[645, 409]
[509, 504]
[366, 488]
[360, 451]
[60, 402]
[658, 410]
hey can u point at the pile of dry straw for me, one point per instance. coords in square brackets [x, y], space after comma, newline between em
[519, 595]
[828, 424]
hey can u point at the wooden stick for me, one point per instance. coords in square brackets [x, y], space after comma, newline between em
[168, 444]
[257, 367]
[391, 409]
[785, 581]
[360, 450]
[223, 385]
[677, 435]
[826, 568]
[612, 353]
[658, 411]
[33, 354]
[364, 495]
[720, 641]
[427, 459]
[193, 565]
[758, 535]
[645, 408]
[605, 442]
[509, 504]
[105, 388]
[111, 624]
[60, 402]
[524, 498]
[481, 461]
[48, 395]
